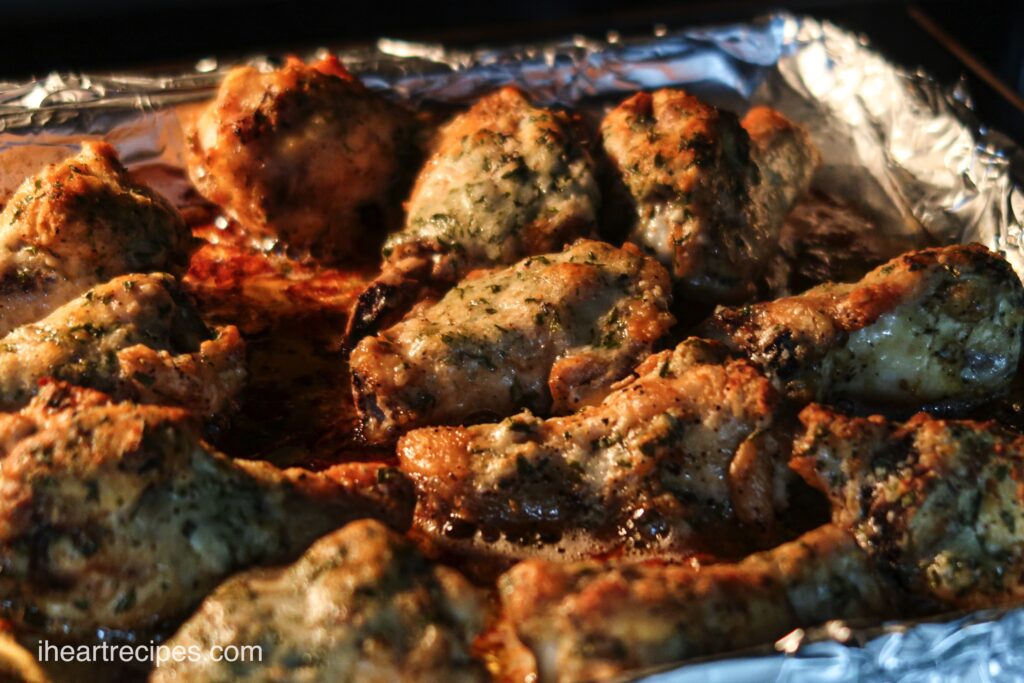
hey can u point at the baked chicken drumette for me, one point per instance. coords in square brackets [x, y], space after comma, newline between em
[362, 599]
[118, 516]
[550, 333]
[939, 504]
[928, 516]
[594, 621]
[506, 180]
[76, 224]
[940, 327]
[305, 154]
[708, 193]
[136, 337]
[686, 455]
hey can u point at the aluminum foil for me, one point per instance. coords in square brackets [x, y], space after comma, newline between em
[901, 147]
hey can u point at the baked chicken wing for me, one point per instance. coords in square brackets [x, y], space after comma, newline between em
[671, 460]
[369, 606]
[938, 503]
[136, 337]
[118, 516]
[936, 326]
[506, 180]
[550, 333]
[593, 622]
[305, 154]
[709, 193]
[79, 223]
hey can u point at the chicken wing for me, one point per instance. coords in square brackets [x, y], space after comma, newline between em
[362, 598]
[76, 224]
[506, 180]
[550, 333]
[939, 503]
[671, 460]
[709, 193]
[593, 622]
[305, 154]
[136, 337]
[936, 326]
[118, 516]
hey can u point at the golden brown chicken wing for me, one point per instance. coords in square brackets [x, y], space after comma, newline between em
[136, 337]
[306, 155]
[118, 516]
[362, 599]
[938, 503]
[936, 326]
[594, 622]
[506, 180]
[550, 333]
[79, 223]
[709, 193]
[682, 456]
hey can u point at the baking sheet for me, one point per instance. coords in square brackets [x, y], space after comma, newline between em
[904, 149]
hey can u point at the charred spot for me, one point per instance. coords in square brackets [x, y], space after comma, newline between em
[366, 401]
[251, 129]
[781, 355]
[18, 282]
[702, 147]
[918, 261]
[372, 307]
[897, 453]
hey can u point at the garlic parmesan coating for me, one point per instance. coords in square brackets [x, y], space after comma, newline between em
[683, 456]
[118, 516]
[708, 193]
[506, 180]
[360, 605]
[939, 326]
[551, 333]
[307, 155]
[939, 504]
[136, 337]
[76, 224]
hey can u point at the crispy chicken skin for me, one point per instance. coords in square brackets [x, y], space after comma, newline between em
[671, 460]
[709, 193]
[369, 606]
[593, 622]
[506, 180]
[79, 223]
[939, 503]
[936, 326]
[119, 516]
[305, 154]
[550, 333]
[136, 337]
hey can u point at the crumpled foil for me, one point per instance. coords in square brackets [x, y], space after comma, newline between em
[904, 149]
[984, 647]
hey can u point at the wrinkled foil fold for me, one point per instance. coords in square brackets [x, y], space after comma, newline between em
[900, 146]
